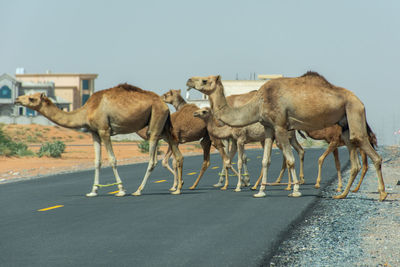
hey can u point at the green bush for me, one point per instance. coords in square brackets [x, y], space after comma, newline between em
[10, 148]
[54, 149]
[144, 146]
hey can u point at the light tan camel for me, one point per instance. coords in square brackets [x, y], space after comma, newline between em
[188, 129]
[333, 136]
[306, 103]
[119, 110]
[241, 136]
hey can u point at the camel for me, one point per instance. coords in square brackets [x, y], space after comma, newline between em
[188, 129]
[242, 136]
[118, 110]
[333, 136]
[307, 103]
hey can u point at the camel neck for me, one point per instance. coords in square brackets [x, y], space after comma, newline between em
[221, 132]
[179, 102]
[237, 117]
[73, 119]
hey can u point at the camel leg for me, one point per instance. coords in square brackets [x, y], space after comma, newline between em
[377, 160]
[282, 137]
[332, 146]
[261, 173]
[97, 164]
[363, 170]
[225, 144]
[282, 172]
[105, 137]
[240, 146]
[165, 164]
[206, 145]
[269, 139]
[338, 169]
[353, 170]
[246, 174]
[300, 151]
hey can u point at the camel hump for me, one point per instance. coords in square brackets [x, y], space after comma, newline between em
[130, 87]
[316, 76]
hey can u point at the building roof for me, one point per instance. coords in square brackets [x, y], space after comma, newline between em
[83, 75]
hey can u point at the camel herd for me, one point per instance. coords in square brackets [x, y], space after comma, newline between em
[308, 104]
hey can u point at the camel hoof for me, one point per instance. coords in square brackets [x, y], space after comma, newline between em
[120, 193]
[355, 190]
[172, 189]
[295, 194]
[341, 196]
[339, 190]
[302, 181]
[177, 192]
[192, 188]
[137, 193]
[277, 182]
[237, 189]
[317, 186]
[259, 194]
[287, 188]
[91, 194]
[223, 188]
[218, 185]
[254, 188]
[383, 196]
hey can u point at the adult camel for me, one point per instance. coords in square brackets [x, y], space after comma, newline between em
[118, 110]
[305, 103]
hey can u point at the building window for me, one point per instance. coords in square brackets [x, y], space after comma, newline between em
[5, 92]
[85, 98]
[21, 111]
[85, 84]
[30, 112]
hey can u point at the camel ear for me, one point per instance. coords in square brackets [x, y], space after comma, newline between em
[179, 91]
[218, 78]
[42, 96]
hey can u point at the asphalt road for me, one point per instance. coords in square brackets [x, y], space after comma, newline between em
[204, 227]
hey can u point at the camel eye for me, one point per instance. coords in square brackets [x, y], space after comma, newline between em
[204, 82]
[31, 99]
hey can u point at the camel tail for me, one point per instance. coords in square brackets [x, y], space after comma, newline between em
[301, 134]
[372, 137]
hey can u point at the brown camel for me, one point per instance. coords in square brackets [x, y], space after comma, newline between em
[305, 103]
[119, 110]
[333, 136]
[242, 136]
[188, 129]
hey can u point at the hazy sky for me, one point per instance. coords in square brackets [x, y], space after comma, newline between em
[158, 45]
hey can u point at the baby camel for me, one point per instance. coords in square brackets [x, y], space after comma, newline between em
[241, 136]
[119, 110]
[333, 136]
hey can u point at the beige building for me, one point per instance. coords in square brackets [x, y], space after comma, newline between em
[74, 88]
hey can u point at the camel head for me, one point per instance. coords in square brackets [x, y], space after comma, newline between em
[169, 96]
[202, 113]
[206, 85]
[33, 101]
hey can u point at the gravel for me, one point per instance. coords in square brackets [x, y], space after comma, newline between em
[356, 231]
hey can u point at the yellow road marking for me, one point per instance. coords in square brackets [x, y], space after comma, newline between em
[191, 173]
[114, 192]
[160, 181]
[216, 167]
[51, 208]
[233, 162]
